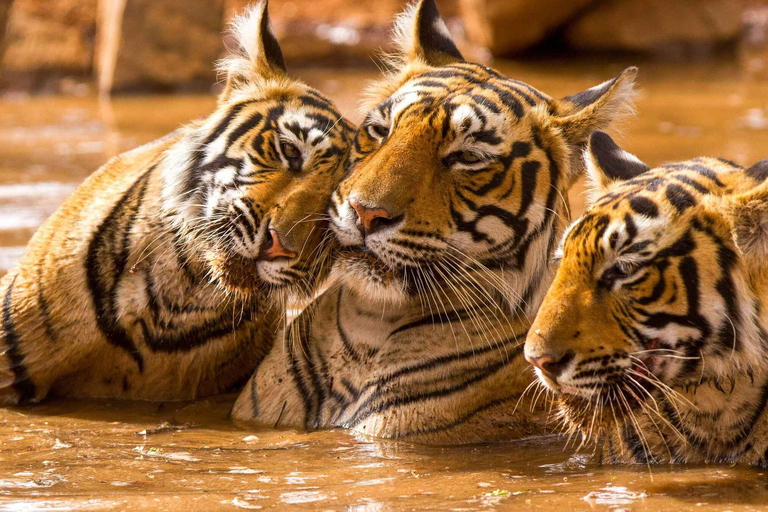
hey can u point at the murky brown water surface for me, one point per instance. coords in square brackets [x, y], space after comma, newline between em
[119, 455]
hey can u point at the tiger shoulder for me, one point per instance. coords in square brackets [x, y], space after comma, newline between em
[165, 273]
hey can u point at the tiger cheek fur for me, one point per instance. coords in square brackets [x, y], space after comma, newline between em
[161, 277]
[446, 219]
[653, 332]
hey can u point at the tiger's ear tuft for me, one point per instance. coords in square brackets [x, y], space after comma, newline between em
[420, 33]
[258, 54]
[607, 164]
[578, 115]
[749, 214]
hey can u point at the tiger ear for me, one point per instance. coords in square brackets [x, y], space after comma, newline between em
[578, 115]
[607, 164]
[258, 54]
[420, 33]
[749, 214]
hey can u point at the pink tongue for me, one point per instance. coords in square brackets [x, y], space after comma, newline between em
[648, 360]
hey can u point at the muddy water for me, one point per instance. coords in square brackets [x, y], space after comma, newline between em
[117, 455]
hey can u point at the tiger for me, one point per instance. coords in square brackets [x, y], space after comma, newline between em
[163, 275]
[451, 205]
[653, 333]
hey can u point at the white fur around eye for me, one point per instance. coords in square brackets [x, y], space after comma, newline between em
[465, 122]
[315, 139]
[378, 125]
[378, 132]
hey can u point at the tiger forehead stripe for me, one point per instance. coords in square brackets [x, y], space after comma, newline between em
[462, 78]
[681, 186]
[243, 118]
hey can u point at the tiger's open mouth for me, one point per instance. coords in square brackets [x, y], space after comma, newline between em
[609, 388]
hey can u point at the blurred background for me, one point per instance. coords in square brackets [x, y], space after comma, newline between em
[83, 80]
[75, 46]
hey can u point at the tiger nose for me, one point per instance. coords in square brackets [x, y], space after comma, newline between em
[371, 220]
[552, 365]
[272, 248]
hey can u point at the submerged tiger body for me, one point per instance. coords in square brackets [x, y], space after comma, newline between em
[653, 333]
[158, 277]
[446, 220]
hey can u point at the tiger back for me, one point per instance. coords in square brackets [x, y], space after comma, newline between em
[164, 275]
[446, 221]
[653, 334]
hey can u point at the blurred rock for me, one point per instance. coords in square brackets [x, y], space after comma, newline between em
[753, 47]
[510, 26]
[648, 25]
[335, 31]
[158, 44]
[47, 39]
[5, 7]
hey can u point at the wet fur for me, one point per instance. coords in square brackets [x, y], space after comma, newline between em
[145, 283]
[420, 336]
[659, 308]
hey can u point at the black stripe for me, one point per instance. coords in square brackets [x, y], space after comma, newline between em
[45, 310]
[528, 174]
[692, 183]
[254, 396]
[438, 361]
[430, 320]
[104, 268]
[346, 342]
[644, 206]
[197, 335]
[298, 379]
[632, 440]
[364, 412]
[244, 128]
[679, 197]
[759, 171]
[22, 383]
[697, 168]
[461, 419]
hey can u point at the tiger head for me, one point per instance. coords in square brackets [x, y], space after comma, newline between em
[249, 185]
[457, 168]
[655, 292]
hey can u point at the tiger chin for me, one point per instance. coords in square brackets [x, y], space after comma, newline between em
[653, 333]
[162, 277]
[445, 222]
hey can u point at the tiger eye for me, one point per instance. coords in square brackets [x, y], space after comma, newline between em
[469, 157]
[290, 151]
[380, 130]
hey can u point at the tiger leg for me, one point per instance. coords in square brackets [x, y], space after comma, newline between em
[272, 396]
[36, 346]
[17, 383]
